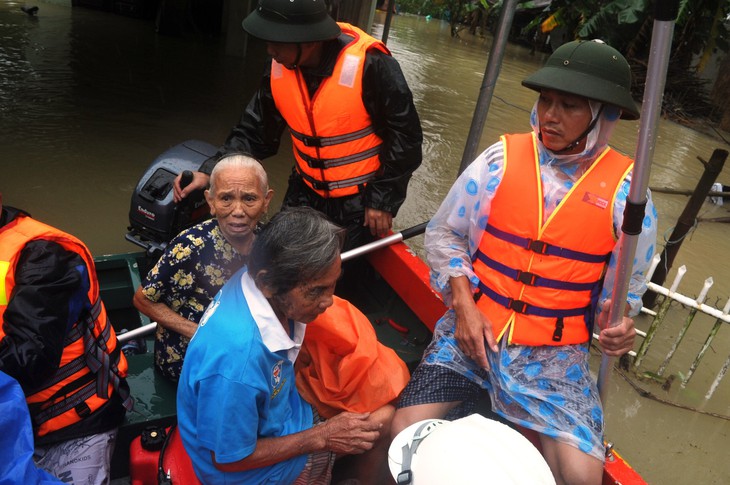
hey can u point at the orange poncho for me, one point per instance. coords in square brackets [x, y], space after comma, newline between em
[343, 367]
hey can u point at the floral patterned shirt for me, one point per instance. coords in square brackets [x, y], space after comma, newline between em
[194, 266]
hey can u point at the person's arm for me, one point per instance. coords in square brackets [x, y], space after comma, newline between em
[258, 133]
[229, 422]
[473, 328]
[618, 340]
[163, 315]
[389, 101]
[344, 434]
[48, 298]
[158, 287]
[454, 232]
[452, 236]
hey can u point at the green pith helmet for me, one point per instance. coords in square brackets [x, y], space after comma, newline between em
[590, 69]
[291, 21]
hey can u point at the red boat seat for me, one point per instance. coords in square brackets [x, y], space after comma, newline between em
[176, 464]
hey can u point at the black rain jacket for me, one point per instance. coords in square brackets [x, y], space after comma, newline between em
[389, 102]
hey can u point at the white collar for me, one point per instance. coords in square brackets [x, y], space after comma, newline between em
[272, 332]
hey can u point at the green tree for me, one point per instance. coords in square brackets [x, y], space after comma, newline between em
[700, 31]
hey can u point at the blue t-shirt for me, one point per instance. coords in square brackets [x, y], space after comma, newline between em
[237, 387]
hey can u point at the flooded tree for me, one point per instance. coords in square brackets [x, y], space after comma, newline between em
[700, 32]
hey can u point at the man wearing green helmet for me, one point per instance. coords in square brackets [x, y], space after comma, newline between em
[524, 250]
[355, 131]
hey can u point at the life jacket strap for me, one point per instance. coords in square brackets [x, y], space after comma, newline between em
[339, 184]
[325, 163]
[77, 331]
[520, 306]
[531, 279]
[64, 405]
[541, 247]
[326, 141]
[101, 363]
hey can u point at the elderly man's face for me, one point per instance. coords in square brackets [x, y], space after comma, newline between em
[238, 203]
[306, 302]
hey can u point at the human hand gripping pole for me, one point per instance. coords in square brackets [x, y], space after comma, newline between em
[194, 181]
[661, 44]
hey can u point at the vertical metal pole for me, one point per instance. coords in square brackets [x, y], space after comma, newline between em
[386, 25]
[496, 54]
[661, 45]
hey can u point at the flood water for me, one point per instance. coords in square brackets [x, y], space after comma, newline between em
[89, 99]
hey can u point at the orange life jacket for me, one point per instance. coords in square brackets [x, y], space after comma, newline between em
[92, 363]
[334, 142]
[540, 281]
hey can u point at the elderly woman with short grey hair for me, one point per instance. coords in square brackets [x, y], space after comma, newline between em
[240, 415]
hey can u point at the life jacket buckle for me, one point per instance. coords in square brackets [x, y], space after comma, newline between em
[526, 277]
[319, 185]
[558, 334]
[517, 305]
[536, 246]
[312, 141]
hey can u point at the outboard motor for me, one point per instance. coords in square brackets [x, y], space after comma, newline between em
[154, 216]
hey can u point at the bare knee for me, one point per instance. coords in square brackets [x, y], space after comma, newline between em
[405, 417]
[569, 465]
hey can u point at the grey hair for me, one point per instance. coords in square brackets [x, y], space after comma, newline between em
[297, 245]
[239, 160]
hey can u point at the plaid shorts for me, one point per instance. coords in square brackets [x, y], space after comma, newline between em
[436, 384]
[318, 469]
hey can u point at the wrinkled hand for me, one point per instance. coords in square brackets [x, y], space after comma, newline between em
[473, 329]
[615, 341]
[378, 221]
[350, 433]
[200, 181]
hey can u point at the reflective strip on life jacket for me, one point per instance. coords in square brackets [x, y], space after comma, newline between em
[328, 141]
[4, 265]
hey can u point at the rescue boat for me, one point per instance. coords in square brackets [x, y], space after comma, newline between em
[394, 294]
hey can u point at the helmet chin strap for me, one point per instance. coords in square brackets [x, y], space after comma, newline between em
[580, 138]
[299, 56]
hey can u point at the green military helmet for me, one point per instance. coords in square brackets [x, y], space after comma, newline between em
[591, 69]
[291, 21]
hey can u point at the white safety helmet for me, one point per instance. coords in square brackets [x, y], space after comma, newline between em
[467, 450]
